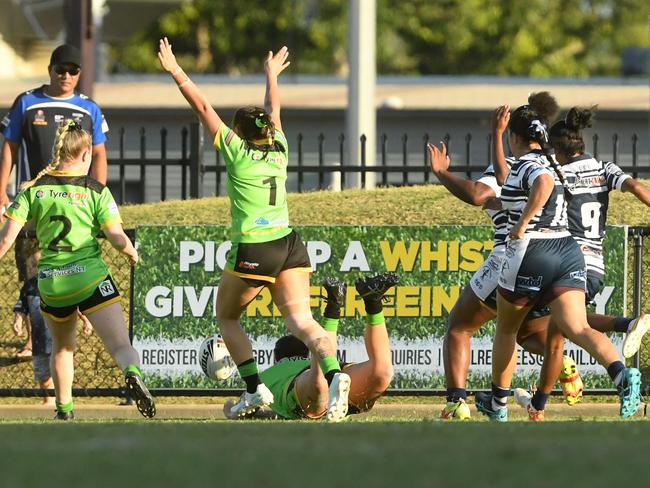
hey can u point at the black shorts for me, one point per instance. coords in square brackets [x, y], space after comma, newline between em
[260, 263]
[105, 294]
[538, 269]
[595, 284]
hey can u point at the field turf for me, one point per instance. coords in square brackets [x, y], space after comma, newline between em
[395, 448]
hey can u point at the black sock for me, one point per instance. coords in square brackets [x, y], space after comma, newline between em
[373, 306]
[621, 324]
[329, 376]
[614, 370]
[539, 400]
[455, 394]
[248, 372]
[500, 395]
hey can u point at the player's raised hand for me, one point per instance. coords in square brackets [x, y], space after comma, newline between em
[166, 56]
[439, 158]
[274, 64]
[500, 119]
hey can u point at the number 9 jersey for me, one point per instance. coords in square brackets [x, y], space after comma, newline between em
[257, 176]
[68, 210]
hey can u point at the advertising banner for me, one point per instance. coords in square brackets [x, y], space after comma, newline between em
[176, 282]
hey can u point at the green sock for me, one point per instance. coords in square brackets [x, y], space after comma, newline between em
[132, 368]
[328, 364]
[375, 318]
[330, 325]
[64, 407]
[247, 368]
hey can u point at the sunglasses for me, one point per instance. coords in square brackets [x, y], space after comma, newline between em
[60, 69]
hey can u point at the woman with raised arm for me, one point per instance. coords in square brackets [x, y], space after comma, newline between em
[588, 183]
[265, 252]
[543, 263]
[68, 209]
[476, 304]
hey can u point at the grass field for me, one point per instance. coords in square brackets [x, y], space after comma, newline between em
[392, 448]
[400, 444]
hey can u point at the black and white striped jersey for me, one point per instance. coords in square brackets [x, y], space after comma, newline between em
[552, 217]
[589, 182]
[499, 217]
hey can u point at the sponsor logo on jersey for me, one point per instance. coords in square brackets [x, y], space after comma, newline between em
[59, 118]
[578, 275]
[248, 265]
[531, 282]
[106, 288]
[5, 121]
[39, 118]
[40, 193]
[261, 221]
[67, 270]
[71, 195]
[77, 117]
[112, 208]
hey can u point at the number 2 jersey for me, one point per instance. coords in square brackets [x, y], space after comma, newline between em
[68, 210]
[589, 182]
[256, 186]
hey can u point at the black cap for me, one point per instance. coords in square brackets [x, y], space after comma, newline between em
[65, 54]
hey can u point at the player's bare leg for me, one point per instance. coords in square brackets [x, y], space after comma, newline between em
[290, 294]
[64, 342]
[111, 328]
[233, 296]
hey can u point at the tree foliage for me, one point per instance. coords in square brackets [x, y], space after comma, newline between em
[538, 38]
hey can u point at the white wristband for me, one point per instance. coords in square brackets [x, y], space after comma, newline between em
[179, 70]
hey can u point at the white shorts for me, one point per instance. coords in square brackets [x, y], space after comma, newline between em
[484, 282]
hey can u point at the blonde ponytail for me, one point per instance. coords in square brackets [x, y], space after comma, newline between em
[69, 141]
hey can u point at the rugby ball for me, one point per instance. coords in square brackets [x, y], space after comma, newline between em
[214, 358]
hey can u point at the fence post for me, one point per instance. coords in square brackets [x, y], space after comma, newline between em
[427, 169]
[196, 160]
[638, 281]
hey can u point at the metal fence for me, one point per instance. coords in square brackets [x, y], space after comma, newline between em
[97, 375]
[393, 163]
[95, 371]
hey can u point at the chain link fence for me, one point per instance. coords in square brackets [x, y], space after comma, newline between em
[96, 373]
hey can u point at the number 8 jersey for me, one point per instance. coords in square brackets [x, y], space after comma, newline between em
[256, 187]
[68, 210]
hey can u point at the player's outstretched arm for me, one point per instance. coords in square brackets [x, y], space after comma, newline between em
[500, 121]
[274, 64]
[472, 192]
[120, 241]
[636, 188]
[197, 100]
[8, 235]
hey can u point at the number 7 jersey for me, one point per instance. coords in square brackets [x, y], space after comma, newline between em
[256, 186]
[68, 210]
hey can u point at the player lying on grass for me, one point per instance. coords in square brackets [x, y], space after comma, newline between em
[543, 263]
[266, 251]
[588, 183]
[297, 382]
[68, 209]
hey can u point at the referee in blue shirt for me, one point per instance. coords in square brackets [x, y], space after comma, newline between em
[31, 124]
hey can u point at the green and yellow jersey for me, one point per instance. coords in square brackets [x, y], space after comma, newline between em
[256, 185]
[68, 210]
[278, 378]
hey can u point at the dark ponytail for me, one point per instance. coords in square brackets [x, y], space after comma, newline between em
[530, 122]
[257, 129]
[566, 135]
